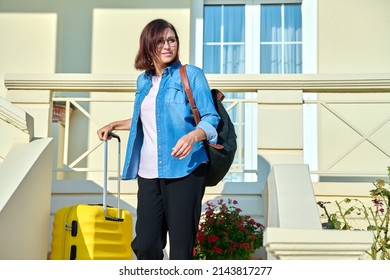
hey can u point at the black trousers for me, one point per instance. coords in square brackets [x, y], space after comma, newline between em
[168, 205]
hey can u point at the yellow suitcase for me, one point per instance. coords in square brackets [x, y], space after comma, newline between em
[93, 232]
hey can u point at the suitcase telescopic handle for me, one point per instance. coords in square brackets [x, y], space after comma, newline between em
[113, 135]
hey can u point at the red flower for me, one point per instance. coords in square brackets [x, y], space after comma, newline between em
[259, 225]
[377, 202]
[201, 236]
[217, 250]
[209, 213]
[212, 238]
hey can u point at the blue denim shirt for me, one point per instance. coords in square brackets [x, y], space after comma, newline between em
[174, 120]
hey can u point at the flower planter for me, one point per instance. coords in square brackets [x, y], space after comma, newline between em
[226, 234]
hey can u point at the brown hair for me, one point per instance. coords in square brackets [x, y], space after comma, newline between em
[147, 51]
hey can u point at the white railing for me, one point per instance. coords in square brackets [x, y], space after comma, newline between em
[370, 130]
[74, 103]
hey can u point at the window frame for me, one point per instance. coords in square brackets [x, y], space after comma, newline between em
[309, 35]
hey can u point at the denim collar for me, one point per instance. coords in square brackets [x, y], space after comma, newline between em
[167, 71]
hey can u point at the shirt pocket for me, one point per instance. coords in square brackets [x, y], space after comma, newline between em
[139, 96]
[175, 94]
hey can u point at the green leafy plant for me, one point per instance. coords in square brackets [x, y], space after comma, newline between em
[224, 233]
[376, 216]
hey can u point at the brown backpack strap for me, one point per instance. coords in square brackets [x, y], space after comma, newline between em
[187, 89]
[194, 109]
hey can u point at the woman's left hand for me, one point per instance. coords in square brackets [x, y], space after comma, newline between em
[184, 145]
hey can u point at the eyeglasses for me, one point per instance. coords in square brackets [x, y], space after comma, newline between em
[171, 42]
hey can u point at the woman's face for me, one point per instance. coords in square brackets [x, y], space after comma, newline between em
[166, 48]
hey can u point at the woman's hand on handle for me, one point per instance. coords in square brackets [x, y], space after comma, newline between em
[104, 132]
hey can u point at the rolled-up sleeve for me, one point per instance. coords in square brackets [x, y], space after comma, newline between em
[211, 132]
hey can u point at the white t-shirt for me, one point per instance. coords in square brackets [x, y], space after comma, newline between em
[148, 162]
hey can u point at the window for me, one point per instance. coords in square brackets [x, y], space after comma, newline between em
[281, 39]
[279, 29]
[224, 39]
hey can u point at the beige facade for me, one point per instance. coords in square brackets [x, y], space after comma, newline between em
[353, 36]
[81, 37]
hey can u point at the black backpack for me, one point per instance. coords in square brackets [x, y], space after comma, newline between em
[221, 155]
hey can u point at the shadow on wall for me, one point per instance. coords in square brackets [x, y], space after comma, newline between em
[263, 170]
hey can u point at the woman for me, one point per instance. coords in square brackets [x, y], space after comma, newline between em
[165, 150]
